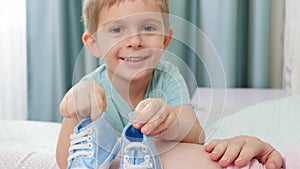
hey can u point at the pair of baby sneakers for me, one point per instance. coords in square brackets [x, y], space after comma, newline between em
[94, 145]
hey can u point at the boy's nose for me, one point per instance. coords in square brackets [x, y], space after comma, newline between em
[135, 42]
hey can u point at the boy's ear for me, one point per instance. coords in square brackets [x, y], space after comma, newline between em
[168, 38]
[91, 44]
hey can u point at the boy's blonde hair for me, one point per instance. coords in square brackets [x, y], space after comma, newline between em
[92, 8]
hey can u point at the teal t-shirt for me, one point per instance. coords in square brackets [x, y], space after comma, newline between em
[166, 83]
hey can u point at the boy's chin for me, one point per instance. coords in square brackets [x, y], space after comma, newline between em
[141, 75]
[133, 76]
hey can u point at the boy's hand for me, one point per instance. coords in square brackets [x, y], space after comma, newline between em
[154, 116]
[241, 149]
[85, 99]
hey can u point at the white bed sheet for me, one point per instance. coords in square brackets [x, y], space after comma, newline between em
[28, 144]
[276, 122]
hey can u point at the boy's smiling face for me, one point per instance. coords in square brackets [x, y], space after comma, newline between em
[131, 37]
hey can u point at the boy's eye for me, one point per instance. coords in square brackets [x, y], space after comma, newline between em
[149, 28]
[117, 30]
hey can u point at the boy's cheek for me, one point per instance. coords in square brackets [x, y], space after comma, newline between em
[106, 47]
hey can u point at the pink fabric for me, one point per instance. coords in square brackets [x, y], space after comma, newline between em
[254, 164]
[291, 160]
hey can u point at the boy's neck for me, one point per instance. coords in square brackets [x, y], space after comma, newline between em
[132, 91]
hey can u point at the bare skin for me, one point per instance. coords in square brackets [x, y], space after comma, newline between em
[180, 155]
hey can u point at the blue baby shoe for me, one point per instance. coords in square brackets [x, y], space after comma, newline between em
[94, 145]
[138, 151]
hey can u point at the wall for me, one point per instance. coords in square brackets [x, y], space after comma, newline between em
[292, 46]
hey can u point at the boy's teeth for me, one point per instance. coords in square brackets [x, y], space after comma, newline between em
[133, 59]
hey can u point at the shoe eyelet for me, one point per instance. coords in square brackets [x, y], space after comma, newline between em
[126, 158]
[144, 149]
[147, 158]
[91, 154]
[89, 131]
[90, 145]
[126, 150]
[90, 138]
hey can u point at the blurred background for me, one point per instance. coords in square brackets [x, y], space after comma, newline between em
[40, 41]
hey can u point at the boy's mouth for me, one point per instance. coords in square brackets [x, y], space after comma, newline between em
[134, 59]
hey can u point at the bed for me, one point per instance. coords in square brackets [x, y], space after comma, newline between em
[28, 144]
[31, 144]
[274, 121]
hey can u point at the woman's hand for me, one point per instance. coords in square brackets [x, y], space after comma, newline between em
[241, 150]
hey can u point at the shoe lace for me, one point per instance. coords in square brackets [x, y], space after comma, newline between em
[145, 165]
[81, 144]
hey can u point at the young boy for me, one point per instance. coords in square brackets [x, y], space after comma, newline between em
[130, 36]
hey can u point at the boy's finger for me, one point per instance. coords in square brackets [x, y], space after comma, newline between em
[83, 104]
[63, 108]
[142, 105]
[100, 98]
[98, 105]
[144, 112]
[154, 123]
[71, 109]
[165, 129]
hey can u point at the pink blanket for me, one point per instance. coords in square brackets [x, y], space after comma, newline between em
[291, 160]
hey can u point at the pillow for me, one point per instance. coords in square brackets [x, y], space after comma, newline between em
[276, 122]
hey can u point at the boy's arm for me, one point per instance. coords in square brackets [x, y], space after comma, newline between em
[189, 124]
[63, 143]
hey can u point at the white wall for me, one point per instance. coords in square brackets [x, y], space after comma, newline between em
[13, 73]
[292, 46]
